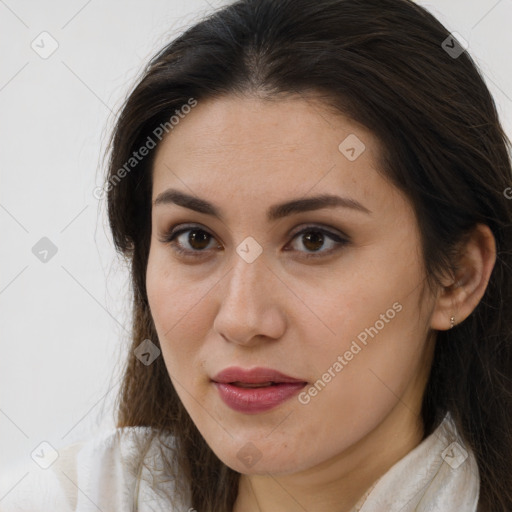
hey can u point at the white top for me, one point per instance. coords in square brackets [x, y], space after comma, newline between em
[439, 475]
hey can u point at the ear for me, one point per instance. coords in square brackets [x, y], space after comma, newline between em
[461, 294]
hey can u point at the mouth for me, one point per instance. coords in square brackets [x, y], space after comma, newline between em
[254, 377]
[255, 390]
[253, 384]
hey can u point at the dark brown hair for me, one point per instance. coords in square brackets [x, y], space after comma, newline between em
[385, 64]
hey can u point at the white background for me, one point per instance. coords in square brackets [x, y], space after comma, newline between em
[64, 324]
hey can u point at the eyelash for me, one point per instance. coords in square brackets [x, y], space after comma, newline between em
[173, 234]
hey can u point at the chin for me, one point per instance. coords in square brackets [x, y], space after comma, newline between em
[275, 467]
[261, 457]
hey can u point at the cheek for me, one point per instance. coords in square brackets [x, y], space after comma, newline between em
[178, 308]
[170, 297]
[375, 364]
[357, 385]
[375, 341]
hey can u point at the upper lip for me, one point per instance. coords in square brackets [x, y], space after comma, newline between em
[257, 375]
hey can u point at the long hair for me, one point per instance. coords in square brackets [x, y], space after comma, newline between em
[393, 67]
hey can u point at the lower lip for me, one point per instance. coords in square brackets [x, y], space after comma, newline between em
[255, 400]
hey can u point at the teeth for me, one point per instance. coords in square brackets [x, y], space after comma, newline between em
[252, 385]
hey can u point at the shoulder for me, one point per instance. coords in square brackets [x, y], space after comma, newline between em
[112, 470]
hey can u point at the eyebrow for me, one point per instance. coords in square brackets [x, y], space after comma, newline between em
[275, 212]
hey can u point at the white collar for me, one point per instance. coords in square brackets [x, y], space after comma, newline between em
[439, 475]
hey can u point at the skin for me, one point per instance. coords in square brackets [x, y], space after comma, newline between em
[292, 314]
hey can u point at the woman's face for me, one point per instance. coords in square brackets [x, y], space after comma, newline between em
[335, 307]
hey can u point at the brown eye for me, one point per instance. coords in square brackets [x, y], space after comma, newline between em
[313, 239]
[195, 244]
[194, 241]
[198, 239]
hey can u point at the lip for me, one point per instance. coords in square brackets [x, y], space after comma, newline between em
[256, 375]
[253, 400]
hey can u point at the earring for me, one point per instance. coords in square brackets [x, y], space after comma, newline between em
[452, 322]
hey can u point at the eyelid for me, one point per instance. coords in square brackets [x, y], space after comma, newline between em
[319, 227]
[183, 227]
[339, 237]
[178, 229]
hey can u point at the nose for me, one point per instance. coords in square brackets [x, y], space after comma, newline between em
[251, 304]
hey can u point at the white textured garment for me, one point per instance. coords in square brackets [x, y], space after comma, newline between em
[439, 475]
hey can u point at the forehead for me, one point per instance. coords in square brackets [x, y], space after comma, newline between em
[268, 149]
[246, 124]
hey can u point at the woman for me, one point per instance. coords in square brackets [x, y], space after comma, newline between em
[313, 200]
